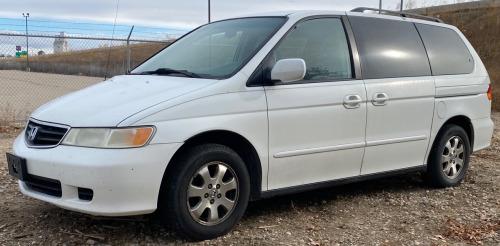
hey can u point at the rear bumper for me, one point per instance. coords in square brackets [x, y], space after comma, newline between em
[123, 181]
[483, 130]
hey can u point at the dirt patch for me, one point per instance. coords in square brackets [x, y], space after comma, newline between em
[400, 210]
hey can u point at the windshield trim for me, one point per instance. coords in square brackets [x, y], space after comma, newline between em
[243, 64]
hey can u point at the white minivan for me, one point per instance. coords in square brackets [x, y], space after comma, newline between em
[253, 107]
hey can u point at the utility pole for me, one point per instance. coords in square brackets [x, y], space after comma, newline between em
[401, 7]
[27, 44]
[208, 11]
[379, 6]
[128, 49]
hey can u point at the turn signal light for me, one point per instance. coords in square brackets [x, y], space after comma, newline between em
[141, 136]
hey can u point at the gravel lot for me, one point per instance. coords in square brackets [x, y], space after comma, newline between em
[400, 210]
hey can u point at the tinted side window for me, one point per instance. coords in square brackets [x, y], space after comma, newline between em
[322, 43]
[446, 50]
[389, 48]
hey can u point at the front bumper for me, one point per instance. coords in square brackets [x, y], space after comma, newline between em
[123, 181]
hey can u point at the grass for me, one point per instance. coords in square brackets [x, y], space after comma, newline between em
[480, 23]
[89, 62]
[138, 52]
[10, 119]
[495, 89]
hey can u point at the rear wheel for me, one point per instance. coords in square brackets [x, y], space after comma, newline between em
[206, 192]
[449, 157]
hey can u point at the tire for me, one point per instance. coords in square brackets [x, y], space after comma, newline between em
[206, 192]
[449, 157]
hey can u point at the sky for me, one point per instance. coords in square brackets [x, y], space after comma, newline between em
[185, 14]
[153, 19]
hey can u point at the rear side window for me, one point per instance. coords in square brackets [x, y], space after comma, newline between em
[389, 48]
[447, 52]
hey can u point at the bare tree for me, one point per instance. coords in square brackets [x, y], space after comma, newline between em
[410, 4]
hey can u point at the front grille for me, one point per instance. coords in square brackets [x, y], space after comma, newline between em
[40, 134]
[47, 186]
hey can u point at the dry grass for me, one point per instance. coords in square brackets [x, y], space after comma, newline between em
[480, 23]
[117, 56]
[9, 119]
[495, 89]
[471, 234]
[90, 62]
[138, 52]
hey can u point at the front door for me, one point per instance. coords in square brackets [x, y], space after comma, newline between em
[317, 125]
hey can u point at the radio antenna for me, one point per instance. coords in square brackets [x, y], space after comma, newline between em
[110, 41]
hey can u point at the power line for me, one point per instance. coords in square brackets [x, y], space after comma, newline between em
[97, 24]
[90, 29]
[65, 22]
[85, 38]
[112, 36]
[74, 28]
[54, 34]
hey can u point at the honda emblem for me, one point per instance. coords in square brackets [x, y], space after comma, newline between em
[32, 133]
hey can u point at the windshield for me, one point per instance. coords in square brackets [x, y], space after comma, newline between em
[215, 50]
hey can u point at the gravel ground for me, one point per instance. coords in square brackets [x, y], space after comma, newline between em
[400, 210]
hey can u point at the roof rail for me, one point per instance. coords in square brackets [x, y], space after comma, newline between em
[402, 14]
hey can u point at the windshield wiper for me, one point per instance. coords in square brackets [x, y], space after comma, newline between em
[167, 71]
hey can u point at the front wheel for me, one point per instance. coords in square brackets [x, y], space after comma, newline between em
[206, 192]
[449, 157]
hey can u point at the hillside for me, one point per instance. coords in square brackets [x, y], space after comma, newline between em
[90, 62]
[138, 53]
[480, 23]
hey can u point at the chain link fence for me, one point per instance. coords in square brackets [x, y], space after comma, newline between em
[57, 65]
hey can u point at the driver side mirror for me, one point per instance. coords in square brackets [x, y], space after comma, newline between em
[288, 70]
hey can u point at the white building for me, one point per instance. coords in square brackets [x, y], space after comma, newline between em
[60, 43]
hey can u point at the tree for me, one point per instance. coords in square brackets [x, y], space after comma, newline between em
[410, 4]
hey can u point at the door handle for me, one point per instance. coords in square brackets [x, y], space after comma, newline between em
[380, 99]
[352, 101]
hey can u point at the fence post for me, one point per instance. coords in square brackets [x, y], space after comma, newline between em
[128, 50]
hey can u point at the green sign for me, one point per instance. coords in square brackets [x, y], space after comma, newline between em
[21, 54]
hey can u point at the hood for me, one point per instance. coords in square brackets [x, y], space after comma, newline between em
[108, 103]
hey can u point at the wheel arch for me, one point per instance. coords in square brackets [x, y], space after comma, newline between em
[465, 123]
[461, 121]
[236, 142]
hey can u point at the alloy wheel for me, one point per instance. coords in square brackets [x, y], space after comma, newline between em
[212, 193]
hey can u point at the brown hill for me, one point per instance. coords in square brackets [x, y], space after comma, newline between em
[138, 53]
[89, 62]
[480, 23]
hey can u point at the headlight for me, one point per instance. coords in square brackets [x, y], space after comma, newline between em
[109, 137]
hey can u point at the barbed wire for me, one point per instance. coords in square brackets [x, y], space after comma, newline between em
[88, 29]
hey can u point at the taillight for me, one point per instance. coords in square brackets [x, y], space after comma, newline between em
[489, 92]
